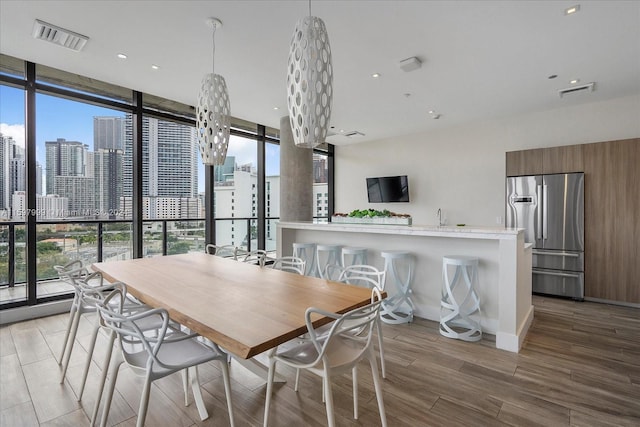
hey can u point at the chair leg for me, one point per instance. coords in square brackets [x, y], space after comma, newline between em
[354, 375]
[113, 368]
[227, 390]
[381, 348]
[197, 394]
[185, 385]
[326, 380]
[103, 377]
[377, 386]
[144, 401]
[270, 375]
[72, 315]
[70, 342]
[295, 386]
[87, 364]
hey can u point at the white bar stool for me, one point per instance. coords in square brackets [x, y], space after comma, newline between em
[306, 252]
[325, 255]
[398, 307]
[354, 256]
[459, 298]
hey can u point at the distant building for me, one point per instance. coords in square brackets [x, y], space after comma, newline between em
[107, 166]
[169, 156]
[64, 159]
[108, 133]
[47, 207]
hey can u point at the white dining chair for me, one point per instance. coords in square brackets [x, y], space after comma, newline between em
[224, 251]
[167, 352]
[348, 342]
[291, 264]
[372, 278]
[87, 288]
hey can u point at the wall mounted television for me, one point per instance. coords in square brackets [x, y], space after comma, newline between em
[388, 189]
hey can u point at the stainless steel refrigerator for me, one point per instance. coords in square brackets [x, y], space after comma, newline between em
[551, 210]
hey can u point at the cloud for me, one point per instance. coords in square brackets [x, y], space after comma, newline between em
[16, 132]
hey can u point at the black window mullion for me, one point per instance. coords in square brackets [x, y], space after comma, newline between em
[30, 152]
[261, 188]
[136, 195]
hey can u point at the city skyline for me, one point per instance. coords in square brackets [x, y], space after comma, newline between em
[53, 122]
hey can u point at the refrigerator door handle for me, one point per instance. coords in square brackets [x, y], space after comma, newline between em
[567, 254]
[553, 273]
[545, 198]
[539, 209]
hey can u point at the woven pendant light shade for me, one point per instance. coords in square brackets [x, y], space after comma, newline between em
[309, 82]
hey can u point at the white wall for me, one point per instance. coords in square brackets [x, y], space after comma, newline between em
[462, 169]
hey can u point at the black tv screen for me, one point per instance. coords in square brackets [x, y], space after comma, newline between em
[388, 189]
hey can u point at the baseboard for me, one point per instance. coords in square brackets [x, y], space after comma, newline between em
[20, 314]
[513, 342]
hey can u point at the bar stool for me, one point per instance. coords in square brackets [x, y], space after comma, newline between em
[332, 257]
[306, 252]
[354, 256]
[459, 298]
[398, 307]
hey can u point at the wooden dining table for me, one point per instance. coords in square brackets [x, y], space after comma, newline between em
[245, 309]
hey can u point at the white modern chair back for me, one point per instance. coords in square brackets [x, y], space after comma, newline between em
[363, 275]
[257, 257]
[224, 251]
[348, 342]
[291, 264]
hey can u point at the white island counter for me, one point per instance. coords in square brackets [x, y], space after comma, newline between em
[504, 275]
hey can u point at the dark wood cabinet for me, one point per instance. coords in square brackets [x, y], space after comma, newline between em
[612, 209]
[525, 162]
[564, 159]
[612, 220]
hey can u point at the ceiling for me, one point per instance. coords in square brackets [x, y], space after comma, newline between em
[480, 59]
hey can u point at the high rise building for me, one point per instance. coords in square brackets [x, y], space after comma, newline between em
[108, 182]
[169, 159]
[108, 133]
[6, 154]
[70, 175]
[64, 158]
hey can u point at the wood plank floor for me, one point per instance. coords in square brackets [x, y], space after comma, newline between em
[580, 366]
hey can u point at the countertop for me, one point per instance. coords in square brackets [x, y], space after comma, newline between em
[467, 231]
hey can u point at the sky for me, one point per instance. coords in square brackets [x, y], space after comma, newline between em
[73, 121]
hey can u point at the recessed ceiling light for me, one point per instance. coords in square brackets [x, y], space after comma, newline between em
[276, 108]
[122, 56]
[155, 67]
[571, 10]
[375, 75]
[574, 81]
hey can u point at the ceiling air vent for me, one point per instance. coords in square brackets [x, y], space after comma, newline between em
[589, 87]
[353, 134]
[59, 36]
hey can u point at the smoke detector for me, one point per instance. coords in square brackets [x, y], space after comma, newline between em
[57, 35]
[589, 87]
[410, 64]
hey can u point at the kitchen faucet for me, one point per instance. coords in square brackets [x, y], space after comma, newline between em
[439, 217]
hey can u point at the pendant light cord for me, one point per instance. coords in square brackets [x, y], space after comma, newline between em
[213, 52]
[309, 8]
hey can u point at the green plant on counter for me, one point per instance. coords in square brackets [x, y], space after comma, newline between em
[369, 213]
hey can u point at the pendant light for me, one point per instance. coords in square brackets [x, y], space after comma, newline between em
[213, 122]
[309, 82]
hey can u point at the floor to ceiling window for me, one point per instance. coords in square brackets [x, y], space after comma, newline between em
[12, 181]
[72, 189]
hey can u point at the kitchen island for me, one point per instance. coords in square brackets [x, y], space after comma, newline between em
[504, 284]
